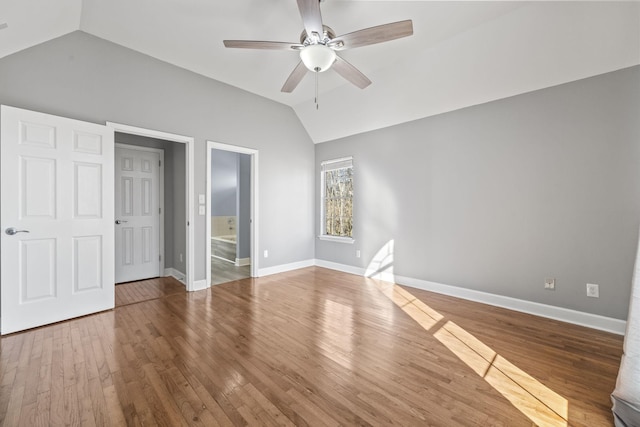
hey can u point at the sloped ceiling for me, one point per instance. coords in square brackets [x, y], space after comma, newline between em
[461, 53]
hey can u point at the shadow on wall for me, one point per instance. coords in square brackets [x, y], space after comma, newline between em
[539, 403]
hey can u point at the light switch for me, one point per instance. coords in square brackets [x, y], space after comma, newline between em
[201, 199]
[201, 210]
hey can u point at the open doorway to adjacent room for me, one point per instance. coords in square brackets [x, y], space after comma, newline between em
[231, 207]
[170, 199]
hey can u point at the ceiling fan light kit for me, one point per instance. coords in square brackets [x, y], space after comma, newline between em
[318, 57]
[318, 46]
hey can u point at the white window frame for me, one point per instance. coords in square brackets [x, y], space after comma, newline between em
[325, 166]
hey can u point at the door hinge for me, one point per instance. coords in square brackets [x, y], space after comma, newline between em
[159, 210]
[159, 257]
[159, 162]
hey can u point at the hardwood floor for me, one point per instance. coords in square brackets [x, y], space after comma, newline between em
[309, 347]
[145, 290]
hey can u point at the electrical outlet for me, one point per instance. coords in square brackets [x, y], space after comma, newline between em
[180, 257]
[358, 253]
[266, 253]
[593, 290]
[550, 284]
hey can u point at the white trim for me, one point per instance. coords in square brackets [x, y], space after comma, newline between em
[255, 247]
[160, 151]
[339, 239]
[589, 320]
[199, 285]
[332, 161]
[324, 167]
[129, 146]
[207, 219]
[340, 267]
[223, 259]
[575, 317]
[189, 172]
[286, 267]
[241, 262]
[135, 130]
[177, 274]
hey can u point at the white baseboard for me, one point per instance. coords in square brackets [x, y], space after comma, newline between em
[589, 320]
[199, 285]
[179, 275]
[285, 267]
[240, 262]
[340, 267]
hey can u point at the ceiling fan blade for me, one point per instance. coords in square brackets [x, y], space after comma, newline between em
[294, 78]
[256, 44]
[373, 35]
[350, 73]
[311, 16]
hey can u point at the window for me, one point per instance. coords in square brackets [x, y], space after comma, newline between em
[336, 215]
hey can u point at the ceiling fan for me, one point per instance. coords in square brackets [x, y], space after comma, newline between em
[319, 44]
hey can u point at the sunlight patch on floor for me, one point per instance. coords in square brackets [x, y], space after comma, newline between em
[539, 403]
[337, 329]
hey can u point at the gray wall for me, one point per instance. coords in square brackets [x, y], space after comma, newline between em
[244, 206]
[499, 196]
[83, 77]
[224, 183]
[174, 195]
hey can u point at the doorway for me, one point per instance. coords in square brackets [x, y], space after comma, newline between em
[182, 197]
[231, 212]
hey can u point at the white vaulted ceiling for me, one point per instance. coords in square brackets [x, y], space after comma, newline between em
[461, 53]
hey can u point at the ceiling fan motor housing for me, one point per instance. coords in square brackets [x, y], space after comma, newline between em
[327, 35]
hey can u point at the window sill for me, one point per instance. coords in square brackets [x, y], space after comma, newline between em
[337, 239]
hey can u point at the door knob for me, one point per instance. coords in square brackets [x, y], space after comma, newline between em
[120, 221]
[12, 230]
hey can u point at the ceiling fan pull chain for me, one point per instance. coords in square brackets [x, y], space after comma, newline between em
[317, 72]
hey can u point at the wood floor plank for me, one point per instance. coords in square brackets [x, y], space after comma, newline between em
[57, 413]
[142, 413]
[306, 348]
[98, 402]
[43, 409]
[85, 406]
[71, 407]
[14, 407]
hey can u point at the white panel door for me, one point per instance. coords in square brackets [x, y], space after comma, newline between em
[137, 214]
[57, 219]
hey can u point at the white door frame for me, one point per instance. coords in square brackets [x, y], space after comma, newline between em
[254, 203]
[189, 171]
[160, 151]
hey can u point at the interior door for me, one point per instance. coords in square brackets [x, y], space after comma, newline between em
[57, 219]
[137, 213]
